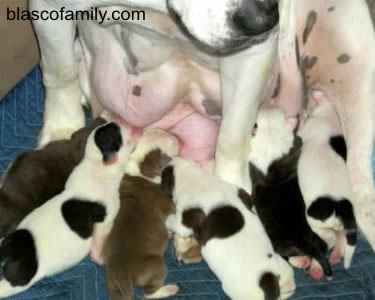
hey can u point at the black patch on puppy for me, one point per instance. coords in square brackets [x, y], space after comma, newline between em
[221, 223]
[18, 253]
[167, 181]
[108, 139]
[193, 218]
[81, 215]
[153, 163]
[323, 207]
[246, 198]
[281, 208]
[338, 145]
[310, 23]
[269, 283]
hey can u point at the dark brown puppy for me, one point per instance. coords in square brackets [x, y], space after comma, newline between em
[39, 175]
[134, 250]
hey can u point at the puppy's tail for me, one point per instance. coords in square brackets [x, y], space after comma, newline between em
[119, 287]
[315, 247]
[344, 211]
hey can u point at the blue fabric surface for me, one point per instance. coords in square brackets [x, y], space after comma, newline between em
[21, 118]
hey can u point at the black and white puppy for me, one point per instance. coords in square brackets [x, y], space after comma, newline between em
[276, 192]
[325, 183]
[234, 242]
[60, 233]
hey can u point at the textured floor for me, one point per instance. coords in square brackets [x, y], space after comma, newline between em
[20, 122]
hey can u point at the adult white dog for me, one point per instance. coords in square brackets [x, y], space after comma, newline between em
[322, 45]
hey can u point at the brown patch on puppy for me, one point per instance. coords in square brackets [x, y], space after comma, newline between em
[36, 176]
[269, 283]
[153, 163]
[134, 250]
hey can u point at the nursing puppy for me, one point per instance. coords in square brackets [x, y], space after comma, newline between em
[234, 243]
[325, 184]
[276, 192]
[36, 176]
[134, 250]
[58, 234]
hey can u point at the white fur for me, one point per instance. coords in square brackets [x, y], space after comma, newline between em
[58, 247]
[322, 172]
[241, 259]
[273, 139]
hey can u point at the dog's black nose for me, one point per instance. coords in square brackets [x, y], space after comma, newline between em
[255, 17]
[108, 139]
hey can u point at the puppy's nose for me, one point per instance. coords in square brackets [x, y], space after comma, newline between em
[255, 17]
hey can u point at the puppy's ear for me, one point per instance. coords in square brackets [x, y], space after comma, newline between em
[153, 163]
[246, 198]
[84, 132]
[168, 181]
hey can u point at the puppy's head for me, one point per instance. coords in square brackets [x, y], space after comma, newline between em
[227, 26]
[111, 144]
[274, 137]
[154, 151]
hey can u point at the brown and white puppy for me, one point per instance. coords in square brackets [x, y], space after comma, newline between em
[234, 242]
[134, 250]
[36, 176]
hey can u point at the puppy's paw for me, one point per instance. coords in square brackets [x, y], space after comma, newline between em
[316, 271]
[300, 262]
[163, 292]
[336, 256]
[188, 250]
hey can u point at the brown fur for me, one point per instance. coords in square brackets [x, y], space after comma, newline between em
[134, 250]
[37, 176]
[153, 163]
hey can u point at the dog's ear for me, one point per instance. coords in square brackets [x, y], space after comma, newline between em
[153, 163]
[246, 198]
[168, 181]
[84, 132]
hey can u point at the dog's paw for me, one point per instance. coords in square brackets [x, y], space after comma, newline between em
[163, 292]
[300, 262]
[316, 271]
[336, 256]
[188, 250]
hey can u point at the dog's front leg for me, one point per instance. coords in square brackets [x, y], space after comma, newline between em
[63, 112]
[243, 78]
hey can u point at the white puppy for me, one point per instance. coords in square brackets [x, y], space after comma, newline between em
[58, 234]
[325, 183]
[234, 242]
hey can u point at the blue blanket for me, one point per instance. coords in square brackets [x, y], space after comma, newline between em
[20, 121]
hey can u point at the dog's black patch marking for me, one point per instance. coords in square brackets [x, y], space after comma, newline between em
[18, 253]
[276, 92]
[324, 207]
[222, 222]
[343, 58]
[269, 283]
[168, 181]
[297, 52]
[245, 198]
[211, 108]
[308, 62]
[338, 145]
[280, 206]
[310, 23]
[81, 216]
[331, 8]
[108, 139]
[137, 90]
